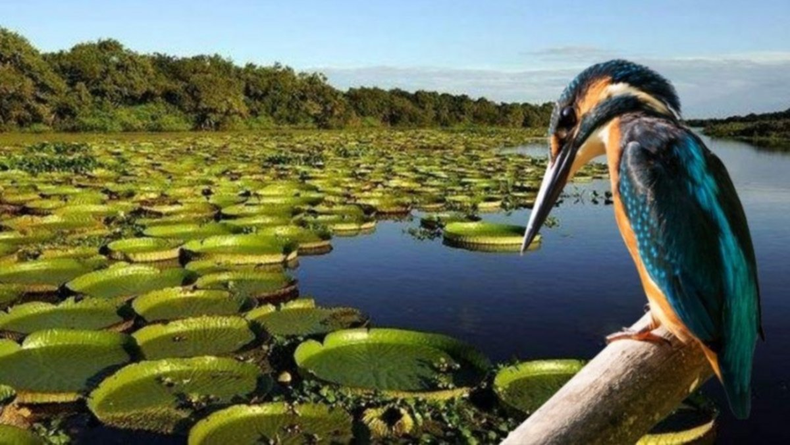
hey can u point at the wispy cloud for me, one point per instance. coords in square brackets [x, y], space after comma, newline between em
[708, 86]
[570, 53]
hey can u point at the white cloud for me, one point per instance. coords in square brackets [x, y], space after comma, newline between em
[570, 53]
[708, 86]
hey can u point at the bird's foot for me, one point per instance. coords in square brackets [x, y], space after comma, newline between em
[647, 335]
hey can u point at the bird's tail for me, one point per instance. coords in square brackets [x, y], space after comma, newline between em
[736, 376]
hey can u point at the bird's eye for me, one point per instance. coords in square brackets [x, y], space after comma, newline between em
[567, 117]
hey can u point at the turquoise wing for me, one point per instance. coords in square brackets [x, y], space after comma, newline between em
[694, 241]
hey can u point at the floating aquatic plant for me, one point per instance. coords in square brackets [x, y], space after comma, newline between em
[528, 385]
[301, 317]
[400, 362]
[274, 422]
[59, 365]
[163, 395]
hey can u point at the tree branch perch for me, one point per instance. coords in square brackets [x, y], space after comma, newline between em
[622, 393]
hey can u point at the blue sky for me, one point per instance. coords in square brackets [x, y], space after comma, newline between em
[724, 57]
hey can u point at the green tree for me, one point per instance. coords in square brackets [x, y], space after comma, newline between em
[108, 71]
[30, 90]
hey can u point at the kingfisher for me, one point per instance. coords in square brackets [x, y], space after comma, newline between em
[676, 208]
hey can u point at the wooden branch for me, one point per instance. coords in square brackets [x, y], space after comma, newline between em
[622, 393]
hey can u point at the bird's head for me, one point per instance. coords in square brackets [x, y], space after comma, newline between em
[579, 123]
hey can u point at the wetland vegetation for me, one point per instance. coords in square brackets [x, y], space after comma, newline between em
[147, 289]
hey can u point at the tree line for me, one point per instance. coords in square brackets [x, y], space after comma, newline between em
[104, 87]
[773, 126]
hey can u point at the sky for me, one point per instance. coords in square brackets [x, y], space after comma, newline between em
[725, 57]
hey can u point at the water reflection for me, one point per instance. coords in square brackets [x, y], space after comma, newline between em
[561, 300]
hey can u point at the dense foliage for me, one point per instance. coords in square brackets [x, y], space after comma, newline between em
[765, 126]
[104, 87]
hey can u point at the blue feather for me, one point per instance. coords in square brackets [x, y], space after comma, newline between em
[694, 241]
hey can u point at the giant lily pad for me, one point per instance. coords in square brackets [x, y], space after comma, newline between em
[250, 210]
[179, 302]
[24, 237]
[163, 395]
[95, 210]
[191, 231]
[274, 422]
[309, 241]
[255, 221]
[195, 208]
[693, 422]
[7, 394]
[251, 284]
[190, 337]
[206, 267]
[482, 235]
[43, 275]
[141, 250]
[11, 435]
[439, 220]
[529, 385]
[58, 365]
[54, 222]
[399, 362]
[241, 249]
[9, 293]
[302, 317]
[126, 281]
[88, 314]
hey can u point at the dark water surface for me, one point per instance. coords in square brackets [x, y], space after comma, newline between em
[560, 301]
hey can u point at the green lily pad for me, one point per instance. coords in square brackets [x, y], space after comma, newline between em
[43, 275]
[190, 231]
[142, 250]
[95, 209]
[54, 222]
[241, 249]
[399, 362]
[274, 422]
[286, 188]
[439, 220]
[165, 395]
[58, 365]
[126, 281]
[24, 237]
[301, 318]
[196, 208]
[255, 284]
[247, 210]
[191, 337]
[179, 302]
[11, 435]
[89, 314]
[482, 235]
[529, 385]
[9, 293]
[256, 221]
[43, 206]
[386, 205]
[693, 422]
[7, 394]
[309, 241]
[206, 267]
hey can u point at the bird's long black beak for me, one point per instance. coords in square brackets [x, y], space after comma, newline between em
[553, 182]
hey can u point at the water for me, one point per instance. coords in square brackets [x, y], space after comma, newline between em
[562, 300]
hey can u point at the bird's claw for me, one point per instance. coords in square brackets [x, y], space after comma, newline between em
[644, 335]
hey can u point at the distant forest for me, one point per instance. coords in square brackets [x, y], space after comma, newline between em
[104, 87]
[765, 126]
